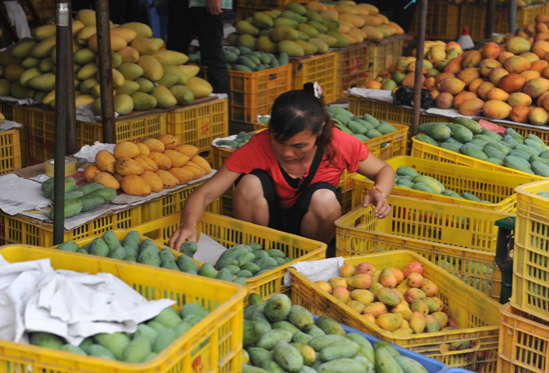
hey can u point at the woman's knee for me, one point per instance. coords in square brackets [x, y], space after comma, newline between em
[249, 187]
[324, 203]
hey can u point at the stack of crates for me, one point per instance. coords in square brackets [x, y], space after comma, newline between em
[10, 151]
[40, 130]
[321, 68]
[200, 124]
[254, 93]
[473, 15]
[383, 53]
[352, 63]
[442, 21]
[524, 333]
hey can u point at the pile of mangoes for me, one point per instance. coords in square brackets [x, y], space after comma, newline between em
[402, 302]
[527, 154]
[281, 337]
[84, 198]
[144, 74]
[147, 167]
[150, 338]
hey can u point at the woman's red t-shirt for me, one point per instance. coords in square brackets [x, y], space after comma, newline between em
[258, 154]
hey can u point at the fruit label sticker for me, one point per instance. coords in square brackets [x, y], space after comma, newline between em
[353, 64]
[204, 127]
[198, 365]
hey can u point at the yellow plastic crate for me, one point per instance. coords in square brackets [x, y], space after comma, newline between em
[40, 130]
[525, 129]
[442, 21]
[493, 186]
[230, 232]
[382, 110]
[10, 151]
[476, 315]
[214, 344]
[254, 93]
[320, 68]
[423, 150]
[414, 218]
[20, 229]
[523, 342]
[530, 292]
[474, 267]
[200, 124]
[172, 203]
[383, 53]
[474, 16]
[352, 63]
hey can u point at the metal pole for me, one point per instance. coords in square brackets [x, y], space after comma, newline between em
[105, 70]
[64, 48]
[419, 66]
[72, 146]
[490, 15]
[512, 16]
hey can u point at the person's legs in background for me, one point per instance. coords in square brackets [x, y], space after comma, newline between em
[180, 26]
[209, 29]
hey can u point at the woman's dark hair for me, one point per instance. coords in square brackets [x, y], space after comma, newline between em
[298, 110]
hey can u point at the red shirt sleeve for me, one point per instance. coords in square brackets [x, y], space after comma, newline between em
[349, 150]
[257, 153]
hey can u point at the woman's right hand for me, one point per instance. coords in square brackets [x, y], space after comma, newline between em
[182, 235]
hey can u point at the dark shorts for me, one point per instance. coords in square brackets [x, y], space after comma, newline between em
[288, 220]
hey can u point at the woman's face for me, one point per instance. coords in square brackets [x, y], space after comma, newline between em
[295, 148]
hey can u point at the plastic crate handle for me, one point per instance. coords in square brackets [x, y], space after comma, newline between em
[476, 347]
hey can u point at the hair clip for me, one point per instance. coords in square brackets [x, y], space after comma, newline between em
[317, 90]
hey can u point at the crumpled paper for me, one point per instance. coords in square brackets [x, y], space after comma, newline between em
[8, 125]
[376, 94]
[84, 113]
[19, 194]
[215, 141]
[35, 297]
[317, 270]
[88, 152]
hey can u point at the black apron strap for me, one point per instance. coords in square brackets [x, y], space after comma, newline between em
[312, 171]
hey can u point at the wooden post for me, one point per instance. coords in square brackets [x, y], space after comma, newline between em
[419, 66]
[105, 70]
[63, 50]
[490, 15]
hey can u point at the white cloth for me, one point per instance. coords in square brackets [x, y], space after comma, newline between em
[88, 152]
[18, 18]
[35, 297]
[317, 270]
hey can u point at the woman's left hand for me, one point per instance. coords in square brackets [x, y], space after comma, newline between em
[376, 198]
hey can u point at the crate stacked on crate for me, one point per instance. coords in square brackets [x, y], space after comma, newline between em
[496, 190]
[383, 53]
[460, 239]
[473, 15]
[22, 229]
[254, 93]
[10, 151]
[475, 314]
[200, 124]
[230, 232]
[352, 64]
[322, 68]
[40, 130]
[389, 112]
[211, 345]
[442, 21]
[524, 334]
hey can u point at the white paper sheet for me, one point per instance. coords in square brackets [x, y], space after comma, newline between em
[8, 125]
[377, 94]
[19, 194]
[317, 270]
[88, 152]
[35, 297]
[209, 250]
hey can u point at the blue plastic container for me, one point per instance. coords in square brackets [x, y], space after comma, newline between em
[432, 365]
